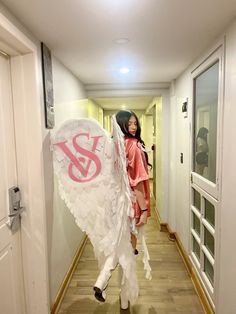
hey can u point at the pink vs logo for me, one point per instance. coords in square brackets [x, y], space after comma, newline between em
[80, 162]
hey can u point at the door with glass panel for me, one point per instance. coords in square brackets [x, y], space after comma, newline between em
[205, 174]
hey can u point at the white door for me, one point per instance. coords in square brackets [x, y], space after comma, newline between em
[206, 169]
[11, 270]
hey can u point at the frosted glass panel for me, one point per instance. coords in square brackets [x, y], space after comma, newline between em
[209, 212]
[208, 269]
[205, 122]
[209, 241]
[196, 224]
[197, 199]
[196, 248]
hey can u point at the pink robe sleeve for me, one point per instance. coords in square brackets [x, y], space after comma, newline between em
[137, 172]
[137, 167]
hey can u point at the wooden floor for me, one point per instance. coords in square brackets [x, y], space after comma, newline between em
[170, 290]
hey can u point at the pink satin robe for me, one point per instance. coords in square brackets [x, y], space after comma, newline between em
[137, 172]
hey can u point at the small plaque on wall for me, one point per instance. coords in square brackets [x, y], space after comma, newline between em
[185, 108]
[47, 86]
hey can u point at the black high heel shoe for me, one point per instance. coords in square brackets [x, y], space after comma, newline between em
[99, 294]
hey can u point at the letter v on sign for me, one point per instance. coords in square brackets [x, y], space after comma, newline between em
[76, 162]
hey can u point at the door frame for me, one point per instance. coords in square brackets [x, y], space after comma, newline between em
[212, 188]
[209, 190]
[28, 116]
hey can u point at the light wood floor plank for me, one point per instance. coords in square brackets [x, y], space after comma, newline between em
[170, 291]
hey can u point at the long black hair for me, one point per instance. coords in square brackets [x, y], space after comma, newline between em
[122, 118]
[202, 133]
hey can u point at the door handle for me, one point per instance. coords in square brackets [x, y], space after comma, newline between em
[15, 209]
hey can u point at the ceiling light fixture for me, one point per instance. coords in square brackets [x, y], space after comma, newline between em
[123, 106]
[124, 70]
[121, 41]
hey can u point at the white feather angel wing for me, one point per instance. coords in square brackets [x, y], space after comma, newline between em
[93, 182]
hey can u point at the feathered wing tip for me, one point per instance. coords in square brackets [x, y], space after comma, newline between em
[146, 259]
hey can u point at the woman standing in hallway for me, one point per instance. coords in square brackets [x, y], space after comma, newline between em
[137, 170]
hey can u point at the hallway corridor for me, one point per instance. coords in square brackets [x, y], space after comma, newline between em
[173, 64]
[170, 290]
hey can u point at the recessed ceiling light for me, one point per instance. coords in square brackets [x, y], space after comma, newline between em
[124, 70]
[121, 41]
[123, 106]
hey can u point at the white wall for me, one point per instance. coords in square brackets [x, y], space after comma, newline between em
[147, 136]
[173, 159]
[165, 116]
[162, 103]
[67, 88]
[227, 262]
[157, 140]
[179, 173]
[64, 236]
[161, 140]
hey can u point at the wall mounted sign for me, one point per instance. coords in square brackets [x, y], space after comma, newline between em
[47, 86]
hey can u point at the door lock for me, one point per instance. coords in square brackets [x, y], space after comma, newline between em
[15, 209]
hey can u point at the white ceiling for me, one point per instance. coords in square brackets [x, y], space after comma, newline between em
[165, 36]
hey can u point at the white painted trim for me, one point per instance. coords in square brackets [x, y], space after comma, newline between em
[204, 193]
[127, 92]
[196, 211]
[208, 255]
[212, 188]
[28, 124]
[194, 257]
[203, 279]
[130, 86]
[211, 292]
[208, 227]
[205, 184]
[196, 236]
[220, 42]
[217, 51]
[208, 283]
[14, 39]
